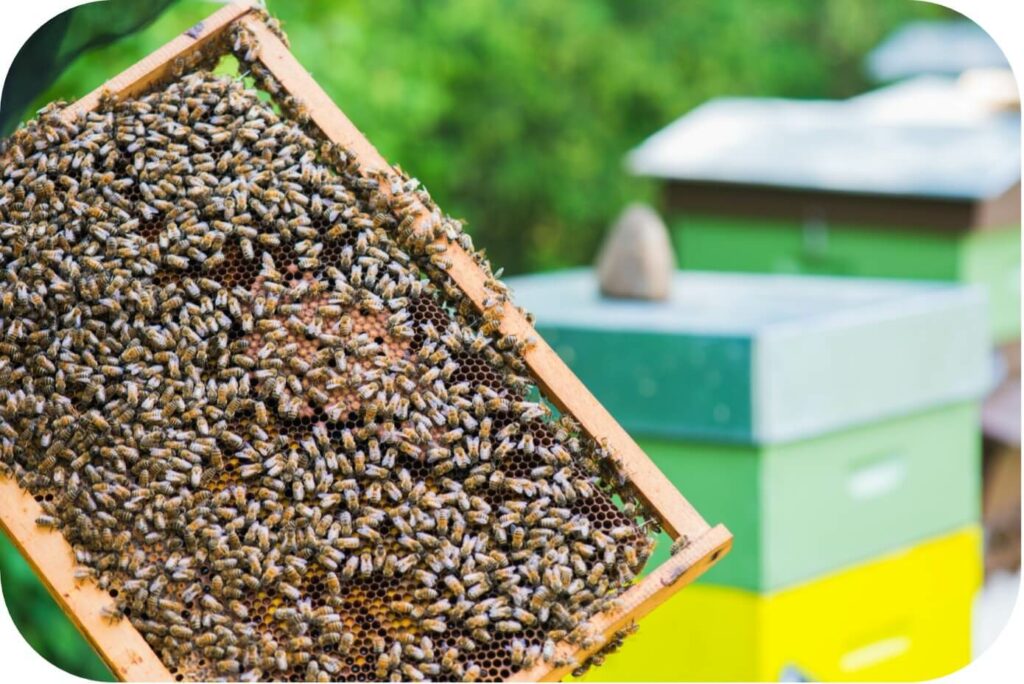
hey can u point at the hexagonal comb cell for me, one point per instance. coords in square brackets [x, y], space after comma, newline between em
[265, 424]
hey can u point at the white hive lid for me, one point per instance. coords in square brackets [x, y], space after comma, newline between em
[933, 47]
[924, 138]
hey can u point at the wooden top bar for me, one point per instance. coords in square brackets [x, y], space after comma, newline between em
[156, 65]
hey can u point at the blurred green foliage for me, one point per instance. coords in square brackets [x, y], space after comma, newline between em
[516, 114]
[41, 621]
[59, 42]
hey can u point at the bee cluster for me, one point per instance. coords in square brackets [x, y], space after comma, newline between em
[266, 421]
[611, 646]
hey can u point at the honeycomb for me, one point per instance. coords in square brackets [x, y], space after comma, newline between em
[263, 417]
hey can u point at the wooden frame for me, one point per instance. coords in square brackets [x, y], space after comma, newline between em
[121, 646]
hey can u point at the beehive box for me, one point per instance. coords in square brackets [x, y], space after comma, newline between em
[1001, 467]
[811, 507]
[920, 180]
[765, 359]
[1001, 507]
[277, 407]
[904, 616]
[826, 420]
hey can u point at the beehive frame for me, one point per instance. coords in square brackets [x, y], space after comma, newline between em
[124, 650]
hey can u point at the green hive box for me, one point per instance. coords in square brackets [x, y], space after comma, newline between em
[825, 420]
[989, 258]
[801, 509]
[919, 180]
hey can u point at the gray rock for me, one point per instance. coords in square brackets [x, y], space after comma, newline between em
[636, 260]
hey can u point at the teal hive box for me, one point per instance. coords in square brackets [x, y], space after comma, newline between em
[762, 359]
[825, 420]
[916, 180]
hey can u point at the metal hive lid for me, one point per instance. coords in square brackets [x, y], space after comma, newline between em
[933, 47]
[947, 146]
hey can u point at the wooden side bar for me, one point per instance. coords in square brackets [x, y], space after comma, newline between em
[554, 377]
[120, 646]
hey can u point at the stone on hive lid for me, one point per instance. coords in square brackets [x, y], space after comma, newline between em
[636, 260]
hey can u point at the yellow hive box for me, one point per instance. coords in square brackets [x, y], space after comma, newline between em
[904, 616]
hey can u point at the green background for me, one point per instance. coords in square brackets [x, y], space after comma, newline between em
[517, 113]
[40, 620]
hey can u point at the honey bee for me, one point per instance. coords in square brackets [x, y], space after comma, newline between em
[228, 667]
[47, 521]
[112, 613]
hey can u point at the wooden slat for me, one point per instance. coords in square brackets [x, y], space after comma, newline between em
[120, 646]
[559, 383]
[156, 65]
[640, 599]
[911, 214]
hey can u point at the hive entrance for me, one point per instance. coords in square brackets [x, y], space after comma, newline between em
[266, 420]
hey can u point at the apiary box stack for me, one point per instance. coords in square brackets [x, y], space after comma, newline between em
[917, 180]
[833, 424]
